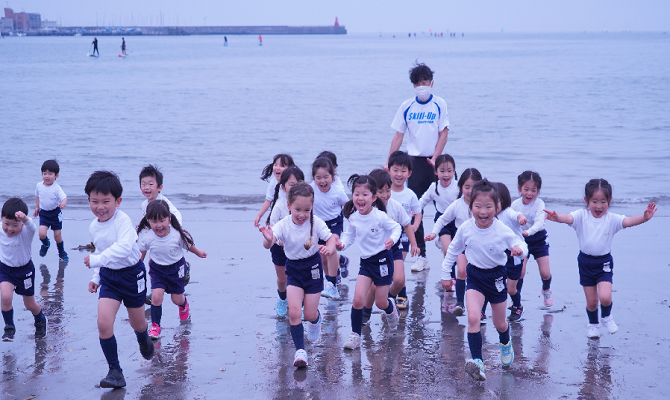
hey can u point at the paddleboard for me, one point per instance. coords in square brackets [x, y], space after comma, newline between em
[93, 55]
[121, 55]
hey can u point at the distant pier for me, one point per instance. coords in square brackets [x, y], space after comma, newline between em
[191, 30]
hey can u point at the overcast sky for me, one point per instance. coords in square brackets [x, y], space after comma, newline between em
[368, 15]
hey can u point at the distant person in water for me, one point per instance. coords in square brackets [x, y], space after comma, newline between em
[123, 46]
[225, 41]
[95, 46]
[260, 40]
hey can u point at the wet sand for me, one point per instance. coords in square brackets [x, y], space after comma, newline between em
[234, 346]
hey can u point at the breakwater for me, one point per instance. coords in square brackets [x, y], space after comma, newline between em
[192, 30]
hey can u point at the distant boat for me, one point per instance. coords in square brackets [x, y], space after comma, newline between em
[77, 34]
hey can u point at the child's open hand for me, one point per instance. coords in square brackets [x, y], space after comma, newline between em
[339, 245]
[267, 233]
[36, 213]
[87, 261]
[388, 243]
[551, 216]
[521, 220]
[92, 287]
[650, 211]
[323, 249]
[429, 237]
[414, 251]
[20, 216]
[516, 251]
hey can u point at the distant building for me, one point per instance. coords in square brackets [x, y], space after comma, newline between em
[6, 25]
[24, 21]
[46, 24]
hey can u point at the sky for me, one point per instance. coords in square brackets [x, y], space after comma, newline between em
[362, 16]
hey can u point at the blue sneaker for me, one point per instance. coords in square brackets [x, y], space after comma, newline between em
[330, 291]
[506, 354]
[281, 307]
[475, 368]
[63, 256]
[344, 266]
[44, 249]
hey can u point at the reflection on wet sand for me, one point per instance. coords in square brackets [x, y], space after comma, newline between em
[169, 378]
[597, 382]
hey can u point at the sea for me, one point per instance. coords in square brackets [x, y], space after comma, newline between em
[570, 106]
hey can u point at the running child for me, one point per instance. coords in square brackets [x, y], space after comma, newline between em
[151, 184]
[272, 174]
[442, 192]
[532, 207]
[17, 272]
[279, 211]
[160, 231]
[376, 233]
[484, 240]
[299, 232]
[595, 227]
[119, 271]
[49, 201]
[328, 202]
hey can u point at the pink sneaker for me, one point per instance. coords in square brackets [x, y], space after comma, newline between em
[155, 331]
[548, 298]
[183, 311]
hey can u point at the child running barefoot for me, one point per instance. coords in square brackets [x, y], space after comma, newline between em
[534, 233]
[161, 233]
[376, 233]
[484, 239]
[272, 174]
[595, 227]
[299, 232]
[279, 211]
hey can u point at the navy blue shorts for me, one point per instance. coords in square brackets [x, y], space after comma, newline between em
[306, 273]
[23, 278]
[537, 244]
[52, 218]
[278, 255]
[449, 229]
[492, 283]
[336, 226]
[379, 268]
[404, 243]
[513, 270]
[595, 269]
[168, 277]
[127, 285]
[397, 250]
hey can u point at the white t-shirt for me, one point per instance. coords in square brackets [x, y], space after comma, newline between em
[270, 192]
[371, 231]
[397, 213]
[407, 198]
[15, 250]
[443, 198]
[484, 248]
[278, 212]
[338, 182]
[50, 196]
[294, 237]
[164, 251]
[595, 234]
[424, 123]
[171, 206]
[328, 205]
[509, 218]
[457, 211]
[534, 212]
[115, 243]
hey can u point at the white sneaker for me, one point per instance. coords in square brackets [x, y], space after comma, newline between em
[420, 264]
[610, 325]
[353, 342]
[314, 330]
[330, 291]
[594, 331]
[300, 360]
[392, 318]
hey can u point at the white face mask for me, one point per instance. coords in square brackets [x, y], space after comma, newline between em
[422, 92]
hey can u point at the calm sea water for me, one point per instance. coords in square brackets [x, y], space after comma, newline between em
[572, 107]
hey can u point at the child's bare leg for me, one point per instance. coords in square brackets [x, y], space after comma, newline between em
[398, 277]
[107, 309]
[446, 241]
[294, 296]
[6, 295]
[605, 293]
[381, 297]
[137, 319]
[543, 265]
[43, 232]
[280, 270]
[157, 296]
[474, 303]
[370, 299]
[31, 304]
[312, 306]
[178, 299]
[58, 236]
[499, 321]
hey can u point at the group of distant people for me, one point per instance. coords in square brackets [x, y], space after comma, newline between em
[96, 51]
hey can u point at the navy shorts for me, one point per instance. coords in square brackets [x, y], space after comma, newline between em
[336, 226]
[537, 244]
[169, 277]
[397, 250]
[513, 270]
[278, 255]
[52, 218]
[23, 278]
[595, 269]
[379, 268]
[449, 229]
[306, 273]
[127, 285]
[492, 283]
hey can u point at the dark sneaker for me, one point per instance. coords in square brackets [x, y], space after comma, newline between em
[44, 249]
[63, 256]
[482, 319]
[515, 314]
[146, 349]
[41, 329]
[459, 308]
[344, 266]
[114, 379]
[148, 300]
[8, 336]
[402, 303]
[187, 273]
[366, 317]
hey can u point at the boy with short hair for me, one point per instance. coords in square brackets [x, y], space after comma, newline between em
[49, 201]
[17, 272]
[119, 271]
[400, 169]
[151, 184]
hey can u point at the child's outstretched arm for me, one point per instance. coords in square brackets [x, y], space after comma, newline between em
[197, 252]
[264, 208]
[268, 237]
[562, 218]
[640, 219]
[329, 247]
[37, 207]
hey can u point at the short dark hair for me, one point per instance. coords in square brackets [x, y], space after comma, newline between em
[152, 171]
[400, 158]
[13, 205]
[420, 72]
[329, 155]
[104, 182]
[51, 166]
[382, 177]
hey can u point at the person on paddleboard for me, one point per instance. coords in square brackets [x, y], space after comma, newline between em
[123, 46]
[95, 46]
[225, 41]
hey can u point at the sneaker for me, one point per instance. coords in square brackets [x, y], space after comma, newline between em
[482, 319]
[8, 336]
[300, 360]
[344, 266]
[330, 291]
[515, 314]
[392, 318]
[438, 243]
[402, 303]
[610, 325]
[147, 349]
[183, 311]
[44, 249]
[506, 354]
[155, 331]
[475, 368]
[420, 264]
[338, 279]
[281, 308]
[114, 379]
[548, 298]
[148, 300]
[314, 330]
[63, 256]
[187, 273]
[41, 329]
[459, 308]
[366, 317]
[353, 342]
[593, 332]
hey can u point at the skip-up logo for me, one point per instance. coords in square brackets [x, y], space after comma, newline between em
[430, 116]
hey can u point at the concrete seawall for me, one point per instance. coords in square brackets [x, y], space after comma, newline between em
[193, 30]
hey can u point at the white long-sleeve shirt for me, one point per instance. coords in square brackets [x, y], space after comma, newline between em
[328, 206]
[443, 198]
[164, 250]
[371, 230]
[50, 196]
[484, 248]
[457, 211]
[115, 243]
[160, 196]
[595, 234]
[510, 217]
[534, 213]
[294, 237]
[15, 250]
